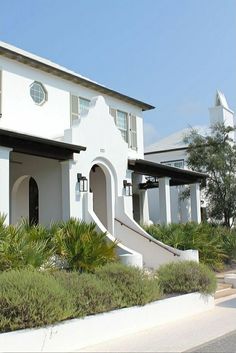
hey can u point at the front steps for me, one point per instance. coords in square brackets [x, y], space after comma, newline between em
[223, 289]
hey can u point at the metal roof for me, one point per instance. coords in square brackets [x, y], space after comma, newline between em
[157, 170]
[48, 66]
[38, 146]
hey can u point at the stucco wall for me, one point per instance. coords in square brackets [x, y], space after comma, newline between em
[47, 174]
[20, 113]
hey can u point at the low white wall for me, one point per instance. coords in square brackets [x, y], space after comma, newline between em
[79, 333]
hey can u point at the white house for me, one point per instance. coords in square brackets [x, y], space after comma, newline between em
[171, 151]
[70, 147]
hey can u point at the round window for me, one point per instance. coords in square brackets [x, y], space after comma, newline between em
[38, 93]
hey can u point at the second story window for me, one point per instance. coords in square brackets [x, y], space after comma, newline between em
[38, 93]
[127, 125]
[83, 105]
[122, 124]
[79, 106]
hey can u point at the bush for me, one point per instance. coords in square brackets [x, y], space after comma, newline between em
[23, 245]
[74, 244]
[81, 246]
[90, 294]
[30, 298]
[206, 238]
[186, 277]
[134, 286]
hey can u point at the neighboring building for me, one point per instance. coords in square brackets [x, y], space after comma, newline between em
[171, 151]
[70, 147]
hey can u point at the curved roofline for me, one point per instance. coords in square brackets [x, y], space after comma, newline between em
[48, 66]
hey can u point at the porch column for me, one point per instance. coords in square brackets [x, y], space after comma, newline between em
[195, 203]
[70, 194]
[5, 182]
[164, 200]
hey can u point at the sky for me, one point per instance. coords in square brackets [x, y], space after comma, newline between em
[173, 54]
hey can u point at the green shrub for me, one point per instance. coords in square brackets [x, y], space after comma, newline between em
[90, 294]
[82, 246]
[134, 286]
[30, 298]
[206, 238]
[23, 245]
[186, 277]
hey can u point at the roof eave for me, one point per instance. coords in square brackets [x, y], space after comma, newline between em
[11, 54]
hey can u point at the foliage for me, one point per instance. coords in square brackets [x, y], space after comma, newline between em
[215, 154]
[90, 294]
[73, 244]
[134, 285]
[208, 239]
[186, 277]
[30, 298]
[82, 246]
[23, 245]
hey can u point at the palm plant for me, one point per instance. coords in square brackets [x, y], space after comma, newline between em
[82, 246]
[205, 238]
[23, 245]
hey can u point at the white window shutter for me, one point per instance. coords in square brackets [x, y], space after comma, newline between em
[112, 112]
[74, 108]
[133, 132]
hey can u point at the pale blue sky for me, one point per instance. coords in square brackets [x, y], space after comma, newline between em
[173, 54]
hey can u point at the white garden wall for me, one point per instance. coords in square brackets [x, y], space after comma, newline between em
[79, 333]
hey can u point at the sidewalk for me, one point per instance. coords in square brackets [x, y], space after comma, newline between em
[179, 336]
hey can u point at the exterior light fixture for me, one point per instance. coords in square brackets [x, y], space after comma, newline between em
[127, 187]
[83, 182]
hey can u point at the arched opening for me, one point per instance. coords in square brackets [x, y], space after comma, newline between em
[25, 200]
[98, 186]
[33, 202]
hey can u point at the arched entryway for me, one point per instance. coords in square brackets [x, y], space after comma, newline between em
[98, 186]
[25, 200]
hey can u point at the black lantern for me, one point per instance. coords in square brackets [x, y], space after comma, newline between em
[128, 188]
[83, 182]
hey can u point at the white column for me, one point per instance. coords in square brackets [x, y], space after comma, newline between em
[71, 197]
[5, 182]
[195, 202]
[164, 200]
[144, 210]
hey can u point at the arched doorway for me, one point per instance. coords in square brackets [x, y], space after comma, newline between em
[98, 186]
[25, 200]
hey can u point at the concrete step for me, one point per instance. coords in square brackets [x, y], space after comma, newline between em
[224, 291]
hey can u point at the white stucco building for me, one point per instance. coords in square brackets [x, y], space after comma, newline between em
[172, 151]
[70, 147]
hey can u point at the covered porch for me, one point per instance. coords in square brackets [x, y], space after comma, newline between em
[35, 177]
[164, 177]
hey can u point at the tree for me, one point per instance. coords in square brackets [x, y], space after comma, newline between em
[215, 154]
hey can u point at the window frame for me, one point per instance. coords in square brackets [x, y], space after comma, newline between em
[85, 99]
[78, 114]
[44, 91]
[171, 163]
[131, 133]
[127, 125]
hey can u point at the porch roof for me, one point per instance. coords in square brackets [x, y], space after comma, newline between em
[38, 146]
[157, 170]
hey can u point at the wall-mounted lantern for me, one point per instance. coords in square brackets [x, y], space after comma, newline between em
[83, 182]
[127, 187]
